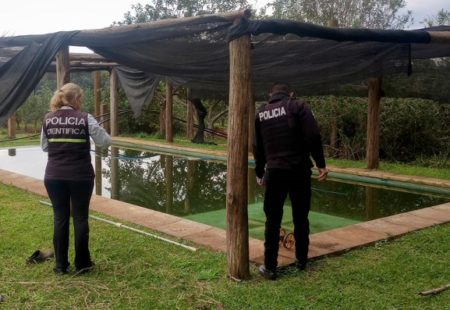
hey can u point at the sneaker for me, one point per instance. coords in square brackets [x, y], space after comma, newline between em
[266, 273]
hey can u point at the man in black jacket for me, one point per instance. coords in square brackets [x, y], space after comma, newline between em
[286, 136]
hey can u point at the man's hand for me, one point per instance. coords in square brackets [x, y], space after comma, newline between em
[323, 172]
[261, 181]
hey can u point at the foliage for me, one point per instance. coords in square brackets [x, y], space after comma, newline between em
[441, 18]
[162, 9]
[411, 129]
[349, 13]
[136, 272]
[36, 106]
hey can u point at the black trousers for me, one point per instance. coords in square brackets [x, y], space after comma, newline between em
[62, 194]
[280, 183]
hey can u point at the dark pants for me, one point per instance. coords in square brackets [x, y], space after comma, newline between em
[280, 183]
[62, 194]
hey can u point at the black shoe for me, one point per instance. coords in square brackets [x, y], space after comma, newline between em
[86, 269]
[266, 273]
[59, 271]
[300, 265]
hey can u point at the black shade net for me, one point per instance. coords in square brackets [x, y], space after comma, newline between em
[194, 53]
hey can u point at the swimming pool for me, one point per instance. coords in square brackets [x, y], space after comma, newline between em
[195, 189]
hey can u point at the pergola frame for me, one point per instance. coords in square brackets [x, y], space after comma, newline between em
[241, 103]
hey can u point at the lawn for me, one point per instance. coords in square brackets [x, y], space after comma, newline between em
[138, 272]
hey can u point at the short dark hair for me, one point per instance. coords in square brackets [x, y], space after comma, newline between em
[279, 87]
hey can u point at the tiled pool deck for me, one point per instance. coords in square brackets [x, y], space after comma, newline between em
[324, 243]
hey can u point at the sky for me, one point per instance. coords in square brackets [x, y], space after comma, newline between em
[18, 17]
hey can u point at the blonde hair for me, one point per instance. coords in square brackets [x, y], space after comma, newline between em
[69, 94]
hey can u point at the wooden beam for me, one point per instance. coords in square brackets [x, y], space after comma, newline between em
[373, 124]
[229, 16]
[237, 158]
[169, 112]
[440, 36]
[62, 67]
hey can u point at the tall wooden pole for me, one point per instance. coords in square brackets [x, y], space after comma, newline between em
[189, 117]
[251, 123]
[373, 123]
[115, 182]
[12, 126]
[97, 92]
[114, 102]
[62, 67]
[251, 133]
[332, 151]
[169, 183]
[237, 158]
[169, 113]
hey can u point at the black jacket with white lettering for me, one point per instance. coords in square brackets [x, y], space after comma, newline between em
[69, 156]
[286, 135]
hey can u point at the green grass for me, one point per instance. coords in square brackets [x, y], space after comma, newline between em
[21, 139]
[137, 272]
[212, 144]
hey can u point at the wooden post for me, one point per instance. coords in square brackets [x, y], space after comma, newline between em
[190, 182]
[162, 119]
[114, 101]
[115, 182]
[169, 109]
[169, 183]
[189, 117]
[371, 203]
[251, 124]
[98, 171]
[237, 158]
[12, 126]
[97, 93]
[62, 67]
[373, 123]
[332, 150]
[105, 117]
[251, 174]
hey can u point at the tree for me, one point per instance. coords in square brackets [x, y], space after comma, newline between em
[162, 9]
[442, 18]
[380, 14]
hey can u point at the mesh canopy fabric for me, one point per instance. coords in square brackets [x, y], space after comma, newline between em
[314, 60]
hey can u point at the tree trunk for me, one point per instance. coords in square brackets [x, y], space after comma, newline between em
[237, 158]
[201, 114]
